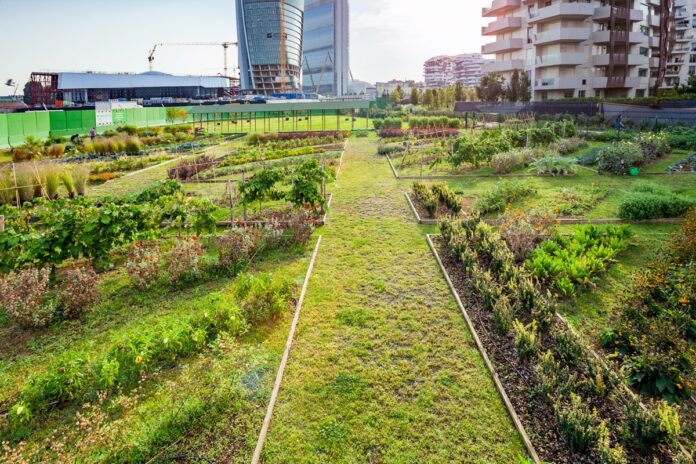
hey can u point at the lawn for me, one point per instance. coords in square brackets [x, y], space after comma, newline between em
[383, 368]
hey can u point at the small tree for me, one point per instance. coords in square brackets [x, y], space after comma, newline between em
[415, 96]
[176, 115]
[260, 187]
[307, 179]
[512, 91]
[491, 88]
[428, 97]
[525, 88]
[397, 95]
[458, 92]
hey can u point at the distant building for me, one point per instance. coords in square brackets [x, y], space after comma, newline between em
[326, 59]
[443, 71]
[58, 89]
[384, 89]
[263, 26]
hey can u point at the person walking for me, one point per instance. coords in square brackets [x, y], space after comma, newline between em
[618, 123]
[92, 134]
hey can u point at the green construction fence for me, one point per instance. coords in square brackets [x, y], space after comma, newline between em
[16, 127]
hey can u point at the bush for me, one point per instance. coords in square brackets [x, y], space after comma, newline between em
[79, 289]
[643, 205]
[261, 298]
[503, 315]
[25, 297]
[526, 340]
[239, 247]
[654, 145]
[524, 231]
[656, 425]
[427, 197]
[143, 264]
[556, 166]
[390, 149]
[300, 228]
[56, 150]
[578, 423]
[590, 158]
[568, 146]
[683, 243]
[609, 454]
[508, 161]
[501, 195]
[618, 158]
[184, 260]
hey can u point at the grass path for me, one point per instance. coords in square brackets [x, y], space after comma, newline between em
[383, 368]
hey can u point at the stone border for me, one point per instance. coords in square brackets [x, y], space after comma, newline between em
[286, 354]
[511, 410]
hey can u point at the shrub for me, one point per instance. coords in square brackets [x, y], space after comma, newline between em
[427, 197]
[501, 195]
[550, 379]
[447, 197]
[524, 231]
[80, 175]
[143, 264]
[51, 181]
[609, 454]
[526, 339]
[643, 205]
[503, 315]
[683, 243]
[556, 166]
[390, 149]
[68, 183]
[261, 298]
[654, 145]
[57, 150]
[238, 247]
[508, 161]
[578, 423]
[650, 427]
[25, 297]
[568, 146]
[619, 157]
[79, 289]
[590, 158]
[567, 347]
[184, 260]
[300, 228]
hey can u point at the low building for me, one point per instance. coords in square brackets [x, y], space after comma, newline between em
[63, 89]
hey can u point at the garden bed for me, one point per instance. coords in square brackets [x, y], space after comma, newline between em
[535, 413]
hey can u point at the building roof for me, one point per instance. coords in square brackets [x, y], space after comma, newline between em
[277, 107]
[88, 80]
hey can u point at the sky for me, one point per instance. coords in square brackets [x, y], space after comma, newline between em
[390, 39]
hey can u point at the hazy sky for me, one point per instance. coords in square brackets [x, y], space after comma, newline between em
[389, 38]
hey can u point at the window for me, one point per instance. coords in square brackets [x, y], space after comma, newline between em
[569, 94]
[640, 93]
[582, 93]
[644, 51]
[692, 70]
[643, 72]
[645, 30]
[544, 96]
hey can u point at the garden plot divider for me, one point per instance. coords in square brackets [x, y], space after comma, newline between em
[283, 363]
[496, 379]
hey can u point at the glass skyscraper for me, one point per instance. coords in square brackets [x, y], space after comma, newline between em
[263, 69]
[326, 47]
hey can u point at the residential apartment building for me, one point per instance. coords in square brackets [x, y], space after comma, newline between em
[443, 71]
[270, 45]
[581, 48]
[326, 60]
[672, 28]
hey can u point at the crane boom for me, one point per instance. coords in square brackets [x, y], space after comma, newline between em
[225, 47]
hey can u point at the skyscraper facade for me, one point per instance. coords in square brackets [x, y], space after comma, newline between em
[326, 64]
[270, 45]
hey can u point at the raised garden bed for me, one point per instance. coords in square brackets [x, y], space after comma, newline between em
[687, 165]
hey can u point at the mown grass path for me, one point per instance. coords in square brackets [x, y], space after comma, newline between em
[383, 368]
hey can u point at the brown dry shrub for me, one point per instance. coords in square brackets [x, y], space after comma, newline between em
[25, 297]
[524, 231]
[79, 289]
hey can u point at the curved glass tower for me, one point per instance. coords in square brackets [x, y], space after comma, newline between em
[265, 28]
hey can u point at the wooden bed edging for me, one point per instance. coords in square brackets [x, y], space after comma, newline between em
[431, 222]
[510, 408]
[284, 361]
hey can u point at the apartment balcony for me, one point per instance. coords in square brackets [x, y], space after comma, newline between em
[682, 25]
[654, 62]
[603, 14]
[605, 37]
[502, 46]
[503, 66]
[620, 59]
[569, 34]
[562, 11]
[619, 82]
[680, 50]
[684, 38]
[654, 41]
[564, 59]
[500, 7]
[507, 24]
[558, 83]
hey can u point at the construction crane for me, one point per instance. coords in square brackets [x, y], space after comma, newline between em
[225, 47]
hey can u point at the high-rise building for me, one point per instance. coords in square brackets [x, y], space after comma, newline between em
[443, 71]
[671, 26]
[270, 45]
[602, 48]
[326, 60]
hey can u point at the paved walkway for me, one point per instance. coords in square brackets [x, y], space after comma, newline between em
[383, 368]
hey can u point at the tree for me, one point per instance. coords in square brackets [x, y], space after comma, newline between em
[260, 187]
[415, 96]
[397, 95]
[512, 91]
[491, 88]
[690, 86]
[436, 98]
[525, 89]
[176, 114]
[459, 92]
[306, 191]
[428, 97]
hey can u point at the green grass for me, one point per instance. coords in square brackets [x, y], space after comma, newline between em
[383, 368]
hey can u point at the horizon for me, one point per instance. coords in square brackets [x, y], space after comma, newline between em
[105, 37]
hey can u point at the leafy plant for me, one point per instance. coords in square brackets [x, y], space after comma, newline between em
[184, 260]
[579, 424]
[501, 195]
[652, 202]
[24, 295]
[508, 161]
[238, 247]
[619, 157]
[306, 185]
[524, 231]
[526, 339]
[143, 264]
[260, 187]
[79, 289]
[556, 166]
[261, 297]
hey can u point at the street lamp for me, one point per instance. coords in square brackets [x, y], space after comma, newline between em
[12, 83]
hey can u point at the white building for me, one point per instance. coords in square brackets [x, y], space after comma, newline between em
[443, 71]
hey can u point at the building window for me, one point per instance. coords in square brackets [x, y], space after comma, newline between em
[645, 30]
[640, 93]
[582, 93]
[569, 94]
[645, 51]
[643, 72]
[692, 70]
[544, 96]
